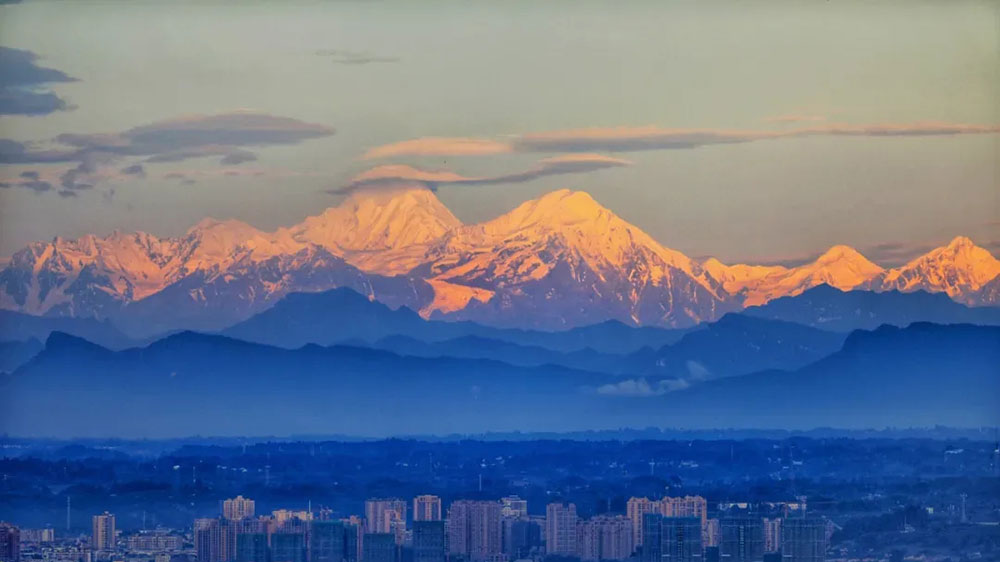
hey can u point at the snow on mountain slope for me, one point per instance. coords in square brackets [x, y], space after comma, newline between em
[557, 261]
[842, 267]
[378, 227]
[566, 258]
[960, 269]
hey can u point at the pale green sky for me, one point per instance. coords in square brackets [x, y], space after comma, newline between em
[489, 69]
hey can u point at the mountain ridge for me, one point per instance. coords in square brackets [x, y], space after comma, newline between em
[888, 377]
[555, 262]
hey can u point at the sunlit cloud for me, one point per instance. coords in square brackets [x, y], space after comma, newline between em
[630, 139]
[440, 146]
[392, 175]
[344, 56]
[796, 118]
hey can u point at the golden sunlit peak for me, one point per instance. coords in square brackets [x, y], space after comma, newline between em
[961, 242]
[841, 252]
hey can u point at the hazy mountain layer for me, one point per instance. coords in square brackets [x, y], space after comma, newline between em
[190, 384]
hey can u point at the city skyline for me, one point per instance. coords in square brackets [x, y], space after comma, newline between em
[499, 281]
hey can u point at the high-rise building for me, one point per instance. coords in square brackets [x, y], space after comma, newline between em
[327, 541]
[681, 539]
[513, 507]
[803, 539]
[103, 537]
[154, 541]
[229, 530]
[428, 541]
[687, 506]
[251, 547]
[772, 534]
[636, 509]
[238, 508]
[386, 516]
[288, 547]
[520, 537]
[207, 536]
[713, 533]
[380, 513]
[378, 547]
[427, 508]
[10, 543]
[474, 529]
[560, 529]
[652, 537]
[742, 539]
[604, 537]
[286, 518]
[38, 536]
[353, 531]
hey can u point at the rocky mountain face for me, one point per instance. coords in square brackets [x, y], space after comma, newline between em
[558, 261]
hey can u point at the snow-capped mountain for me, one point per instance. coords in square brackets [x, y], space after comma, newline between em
[383, 230]
[842, 267]
[563, 260]
[557, 261]
[960, 269]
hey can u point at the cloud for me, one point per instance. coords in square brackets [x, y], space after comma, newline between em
[391, 175]
[641, 387]
[134, 170]
[630, 139]
[206, 133]
[238, 157]
[893, 254]
[796, 118]
[36, 185]
[439, 146]
[22, 84]
[172, 140]
[343, 56]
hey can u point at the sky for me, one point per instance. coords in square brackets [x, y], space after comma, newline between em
[749, 131]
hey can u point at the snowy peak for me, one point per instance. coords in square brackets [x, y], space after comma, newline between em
[379, 219]
[846, 254]
[959, 243]
[959, 269]
[551, 211]
[557, 261]
[841, 266]
[573, 221]
[214, 244]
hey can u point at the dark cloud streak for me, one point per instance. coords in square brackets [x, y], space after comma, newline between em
[22, 85]
[164, 141]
